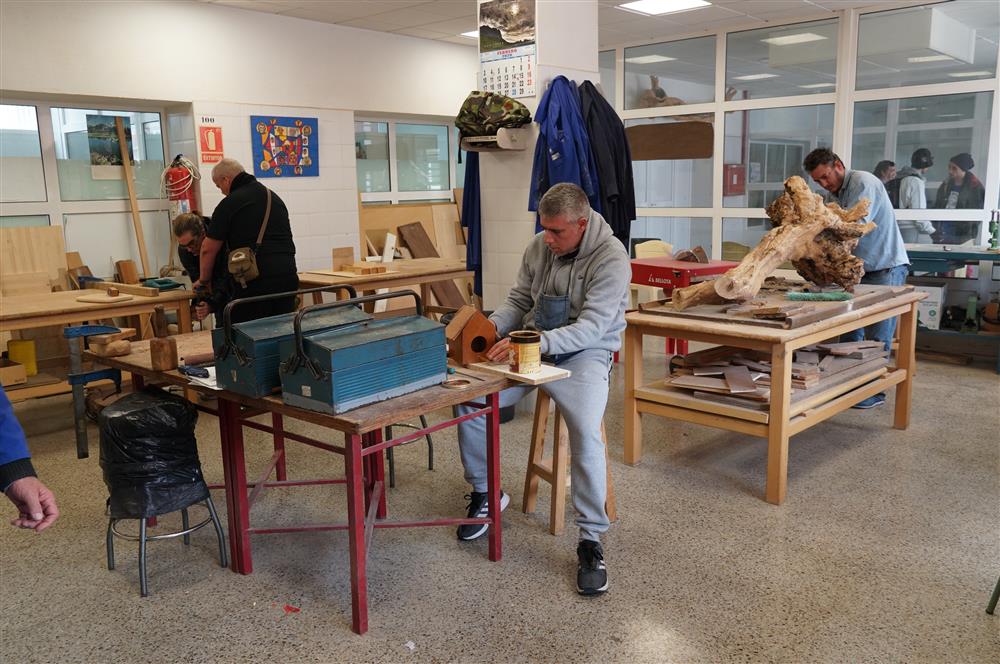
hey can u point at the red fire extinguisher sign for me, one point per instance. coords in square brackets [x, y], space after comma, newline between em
[211, 144]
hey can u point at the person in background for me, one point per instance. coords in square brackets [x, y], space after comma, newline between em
[36, 506]
[913, 196]
[961, 191]
[190, 230]
[572, 287]
[236, 222]
[882, 250]
[885, 170]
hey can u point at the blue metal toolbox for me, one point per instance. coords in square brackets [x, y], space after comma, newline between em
[350, 366]
[247, 354]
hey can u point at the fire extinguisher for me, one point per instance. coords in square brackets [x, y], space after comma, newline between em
[177, 182]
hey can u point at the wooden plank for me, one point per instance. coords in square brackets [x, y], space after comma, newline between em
[34, 249]
[739, 380]
[26, 283]
[806, 357]
[342, 256]
[705, 402]
[103, 298]
[131, 289]
[547, 374]
[129, 178]
[123, 333]
[736, 424]
[127, 271]
[445, 292]
[73, 260]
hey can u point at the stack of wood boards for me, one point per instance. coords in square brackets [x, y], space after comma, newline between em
[739, 376]
[425, 230]
[769, 308]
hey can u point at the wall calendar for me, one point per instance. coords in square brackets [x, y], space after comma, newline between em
[507, 47]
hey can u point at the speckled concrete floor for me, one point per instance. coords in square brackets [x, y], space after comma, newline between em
[885, 550]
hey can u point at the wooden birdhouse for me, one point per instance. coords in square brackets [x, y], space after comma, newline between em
[470, 335]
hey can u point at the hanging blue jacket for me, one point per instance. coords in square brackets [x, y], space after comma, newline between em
[562, 152]
[15, 459]
[471, 219]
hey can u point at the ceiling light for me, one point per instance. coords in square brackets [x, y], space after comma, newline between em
[949, 115]
[970, 74]
[797, 38]
[649, 59]
[471, 34]
[930, 58]
[813, 86]
[755, 77]
[658, 7]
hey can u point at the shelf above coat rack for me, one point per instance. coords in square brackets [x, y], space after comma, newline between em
[515, 138]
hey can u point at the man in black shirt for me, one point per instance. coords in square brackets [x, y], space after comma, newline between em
[190, 231]
[236, 222]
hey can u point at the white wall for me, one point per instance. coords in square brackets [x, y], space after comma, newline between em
[184, 51]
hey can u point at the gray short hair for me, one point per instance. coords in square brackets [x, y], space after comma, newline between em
[229, 168]
[564, 198]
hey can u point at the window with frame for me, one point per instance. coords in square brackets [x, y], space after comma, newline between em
[22, 178]
[400, 161]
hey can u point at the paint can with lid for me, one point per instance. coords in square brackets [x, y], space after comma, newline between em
[525, 351]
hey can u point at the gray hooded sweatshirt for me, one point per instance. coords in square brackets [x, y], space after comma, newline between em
[598, 295]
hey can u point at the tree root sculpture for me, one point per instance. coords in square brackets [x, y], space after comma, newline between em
[818, 239]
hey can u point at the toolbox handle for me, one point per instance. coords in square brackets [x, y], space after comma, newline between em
[300, 358]
[227, 325]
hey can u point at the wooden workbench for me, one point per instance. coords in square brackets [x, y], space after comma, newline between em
[782, 419]
[420, 272]
[362, 450]
[24, 312]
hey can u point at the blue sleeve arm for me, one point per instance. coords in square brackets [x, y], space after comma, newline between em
[15, 459]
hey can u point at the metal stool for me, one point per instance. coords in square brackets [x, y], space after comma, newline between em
[142, 538]
[388, 452]
[993, 600]
[553, 470]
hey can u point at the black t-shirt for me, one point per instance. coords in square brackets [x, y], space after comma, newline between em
[236, 222]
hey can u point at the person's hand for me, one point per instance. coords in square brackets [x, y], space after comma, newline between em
[202, 310]
[35, 504]
[500, 352]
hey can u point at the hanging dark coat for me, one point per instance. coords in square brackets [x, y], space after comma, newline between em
[614, 160]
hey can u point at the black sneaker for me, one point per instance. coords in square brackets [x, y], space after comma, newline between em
[479, 508]
[591, 574]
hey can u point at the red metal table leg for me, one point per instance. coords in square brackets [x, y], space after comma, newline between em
[493, 474]
[378, 473]
[234, 468]
[356, 533]
[277, 421]
[682, 346]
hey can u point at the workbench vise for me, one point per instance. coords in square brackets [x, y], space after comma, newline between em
[246, 354]
[354, 365]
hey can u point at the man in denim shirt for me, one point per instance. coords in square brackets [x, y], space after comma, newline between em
[882, 250]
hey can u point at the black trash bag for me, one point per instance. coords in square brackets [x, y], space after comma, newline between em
[149, 455]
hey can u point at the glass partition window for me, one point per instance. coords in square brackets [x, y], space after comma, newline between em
[22, 178]
[88, 156]
[422, 157]
[606, 68]
[371, 148]
[912, 132]
[765, 147]
[941, 43]
[798, 59]
[676, 166]
[670, 74]
[679, 232]
[21, 220]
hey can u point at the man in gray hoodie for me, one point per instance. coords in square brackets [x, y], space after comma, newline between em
[573, 287]
[913, 196]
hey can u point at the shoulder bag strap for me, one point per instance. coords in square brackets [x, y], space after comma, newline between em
[267, 215]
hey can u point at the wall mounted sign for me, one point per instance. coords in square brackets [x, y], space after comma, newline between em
[507, 47]
[284, 147]
[211, 144]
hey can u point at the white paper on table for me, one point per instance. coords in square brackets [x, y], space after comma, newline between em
[209, 382]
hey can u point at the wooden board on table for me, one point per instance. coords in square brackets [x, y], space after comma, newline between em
[865, 295]
[34, 249]
[131, 289]
[127, 271]
[705, 402]
[547, 374]
[104, 298]
[446, 293]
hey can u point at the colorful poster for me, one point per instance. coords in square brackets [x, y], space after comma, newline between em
[507, 47]
[284, 147]
[211, 144]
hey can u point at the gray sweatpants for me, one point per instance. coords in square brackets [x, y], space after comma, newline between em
[582, 398]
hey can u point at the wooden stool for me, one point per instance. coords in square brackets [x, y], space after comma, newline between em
[553, 470]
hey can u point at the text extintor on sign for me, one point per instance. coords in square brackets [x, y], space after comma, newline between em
[211, 144]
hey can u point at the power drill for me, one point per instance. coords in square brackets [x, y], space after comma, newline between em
[201, 295]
